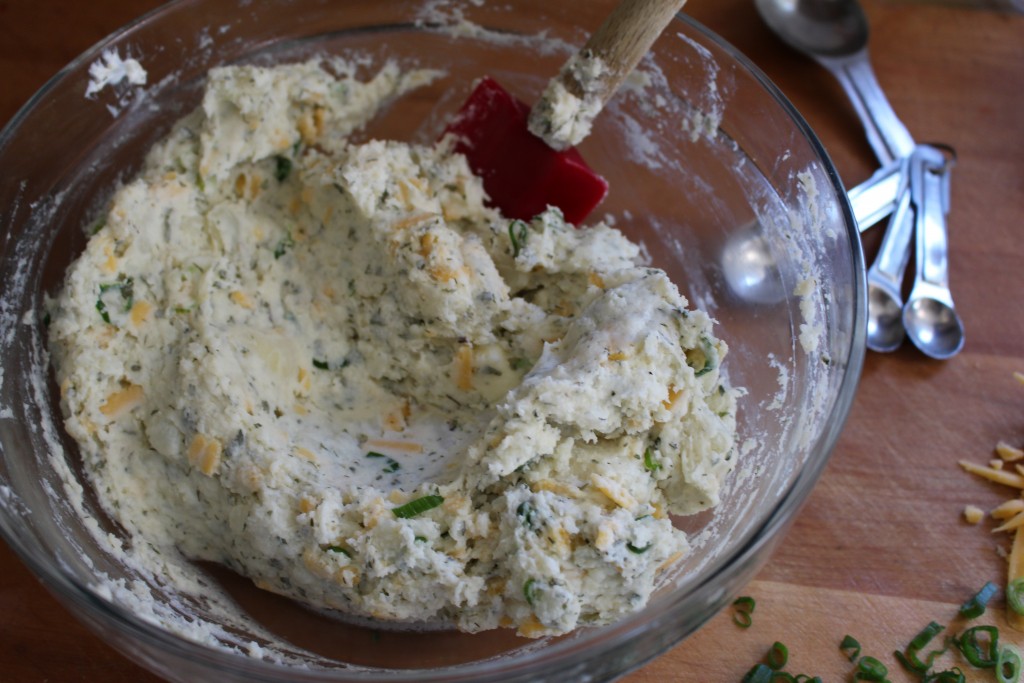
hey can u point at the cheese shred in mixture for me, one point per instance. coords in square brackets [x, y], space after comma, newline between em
[333, 369]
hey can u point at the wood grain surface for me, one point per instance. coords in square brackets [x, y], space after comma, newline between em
[881, 548]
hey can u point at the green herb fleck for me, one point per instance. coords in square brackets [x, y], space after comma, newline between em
[320, 364]
[638, 551]
[338, 549]
[417, 506]
[283, 245]
[283, 168]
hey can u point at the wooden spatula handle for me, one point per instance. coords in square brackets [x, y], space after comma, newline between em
[563, 115]
[626, 36]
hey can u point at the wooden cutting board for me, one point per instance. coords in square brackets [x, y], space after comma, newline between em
[880, 549]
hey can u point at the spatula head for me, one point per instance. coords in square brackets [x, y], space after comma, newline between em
[521, 174]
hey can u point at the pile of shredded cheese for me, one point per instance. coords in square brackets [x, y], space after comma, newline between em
[1007, 469]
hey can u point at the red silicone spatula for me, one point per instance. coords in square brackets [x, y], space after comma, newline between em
[521, 172]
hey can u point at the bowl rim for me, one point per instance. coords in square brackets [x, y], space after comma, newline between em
[739, 565]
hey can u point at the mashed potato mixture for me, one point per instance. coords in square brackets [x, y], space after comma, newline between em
[333, 369]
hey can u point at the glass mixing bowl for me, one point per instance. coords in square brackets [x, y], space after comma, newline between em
[710, 168]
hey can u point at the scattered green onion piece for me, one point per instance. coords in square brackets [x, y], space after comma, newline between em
[975, 651]
[870, 669]
[518, 238]
[650, 464]
[759, 674]
[851, 647]
[283, 168]
[417, 506]
[392, 466]
[1015, 595]
[975, 607]
[743, 617]
[1009, 665]
[420, 539]
[954, 675]
[375, 454]
[778, 655]
[320, 364]
[638, 551]
[530, 591]
[338, 549]
[909, 657]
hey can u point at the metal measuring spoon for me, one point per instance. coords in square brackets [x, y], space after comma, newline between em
[835, 34]
[748, 262]
[885, 276]
[929, 316]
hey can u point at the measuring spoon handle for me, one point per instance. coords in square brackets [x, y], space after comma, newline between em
[888, 137]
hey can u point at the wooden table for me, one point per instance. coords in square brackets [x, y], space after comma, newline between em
[881, 548]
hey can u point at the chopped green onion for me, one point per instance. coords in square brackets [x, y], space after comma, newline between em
[870, 669]
[103, 311]
[954, 675]
[526, 513]
[417, 506]
[704, 359]
[283, 168]
[975, 607]
[518, 238]
[744, 610]
[283, 245]
[978, 653]
[1009, 665]
[850, 647]
[909, 659]
[530, 591]
[339, 549]
[638, 551]
[1015, 595]
[420, 539]
[127, 289]
[759, 674]
[778, 655]
[650, 464]
[391, 466]
[320, 364]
